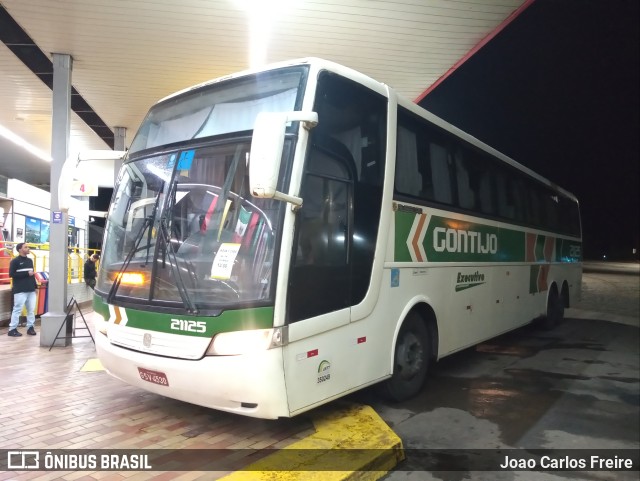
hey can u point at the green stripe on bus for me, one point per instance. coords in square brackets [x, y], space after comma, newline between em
[404, 221]
[451, 240]
[100, 307]
[227, 321]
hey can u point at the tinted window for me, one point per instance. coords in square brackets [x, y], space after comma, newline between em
[337, 226]
[423, 163]
[436, 167]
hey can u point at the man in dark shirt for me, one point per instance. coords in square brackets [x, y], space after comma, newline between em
[24, 290]
[90, 271]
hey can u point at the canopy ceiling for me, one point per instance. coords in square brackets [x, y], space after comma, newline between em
[127, 54]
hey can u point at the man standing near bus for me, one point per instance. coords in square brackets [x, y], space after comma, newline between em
[90, 271]
[24, 290]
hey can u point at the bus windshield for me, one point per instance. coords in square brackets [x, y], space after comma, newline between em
[219, 108]
[184, 232]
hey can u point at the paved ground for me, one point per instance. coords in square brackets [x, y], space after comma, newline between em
[48, 402]
[576, 386]
[610, 291]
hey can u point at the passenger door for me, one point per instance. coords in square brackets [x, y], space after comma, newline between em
[335, 240]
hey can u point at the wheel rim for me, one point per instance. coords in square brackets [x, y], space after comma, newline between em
[410, 356]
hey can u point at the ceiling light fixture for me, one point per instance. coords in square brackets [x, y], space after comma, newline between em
[262, 15]
[16, 139]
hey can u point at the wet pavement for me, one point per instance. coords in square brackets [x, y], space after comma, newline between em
[576, 387]
[611, 289]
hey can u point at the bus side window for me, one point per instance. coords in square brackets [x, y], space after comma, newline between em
[550, 203]
[568, 216]
[423, 165]
[321, 262]
[335, 245]
[408, 176]
[516, 190]
[481, 173]
[466, 195]
[506, 205]
[350, 141]
[534, 205]
[485, 195]
[323, 224]
[440, 173]
[373, 148]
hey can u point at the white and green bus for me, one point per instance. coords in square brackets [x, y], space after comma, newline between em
[280, 238]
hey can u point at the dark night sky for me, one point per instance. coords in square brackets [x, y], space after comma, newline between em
[557, 90]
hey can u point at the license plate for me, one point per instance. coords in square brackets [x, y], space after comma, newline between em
[156, 377]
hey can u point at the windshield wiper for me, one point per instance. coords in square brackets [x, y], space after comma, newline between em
[163, 237]
[153, 216]
[173, 259]
[212, 235]
[148, 222]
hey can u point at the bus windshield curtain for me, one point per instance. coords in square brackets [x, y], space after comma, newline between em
[219, 119]
[239, 116]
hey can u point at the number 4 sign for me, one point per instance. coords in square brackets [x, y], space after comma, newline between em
[83, 189]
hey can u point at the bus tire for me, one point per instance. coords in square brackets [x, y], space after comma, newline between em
[410, 360]
[555, 310]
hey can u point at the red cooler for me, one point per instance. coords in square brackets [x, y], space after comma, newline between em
[5, 258]
[42, 281]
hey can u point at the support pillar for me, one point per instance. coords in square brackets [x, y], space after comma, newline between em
[119, 137]
[60, 135]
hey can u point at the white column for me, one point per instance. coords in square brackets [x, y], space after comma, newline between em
[60, 135]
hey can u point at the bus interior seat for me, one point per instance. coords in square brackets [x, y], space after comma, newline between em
[335, 147]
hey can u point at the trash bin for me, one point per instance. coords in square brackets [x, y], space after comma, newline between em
[42, 281]
[5, 259]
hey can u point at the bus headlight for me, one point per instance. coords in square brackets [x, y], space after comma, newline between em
[132, 279]
[243, 342]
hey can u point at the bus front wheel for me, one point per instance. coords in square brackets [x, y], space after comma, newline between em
[411, 360]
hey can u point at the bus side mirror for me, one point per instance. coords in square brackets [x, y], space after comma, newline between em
[266, 152]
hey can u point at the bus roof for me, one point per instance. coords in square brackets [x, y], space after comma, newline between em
[322, 64]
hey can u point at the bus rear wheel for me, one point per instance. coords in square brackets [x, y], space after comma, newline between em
[411, 360]
[555, 311]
